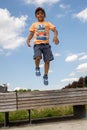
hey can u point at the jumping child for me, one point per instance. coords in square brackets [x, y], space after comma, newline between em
[40, 30]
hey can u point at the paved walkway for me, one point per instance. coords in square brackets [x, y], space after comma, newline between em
[61, 125]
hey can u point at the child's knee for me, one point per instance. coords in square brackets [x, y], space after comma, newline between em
[47, 62]
[38, 58]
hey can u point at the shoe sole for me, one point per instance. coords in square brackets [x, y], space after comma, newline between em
[45, 82]
[38, 74]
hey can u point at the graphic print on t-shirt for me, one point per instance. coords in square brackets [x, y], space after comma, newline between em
[41, 32]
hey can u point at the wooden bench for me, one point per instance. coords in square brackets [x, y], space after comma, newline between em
[13, 101]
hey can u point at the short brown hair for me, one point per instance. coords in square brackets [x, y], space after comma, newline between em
[38, 9]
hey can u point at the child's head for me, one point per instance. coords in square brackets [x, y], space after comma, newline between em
[40, 14]
[40, 9]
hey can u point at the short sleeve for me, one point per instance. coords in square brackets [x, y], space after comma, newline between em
[32, 28]
[51, 26]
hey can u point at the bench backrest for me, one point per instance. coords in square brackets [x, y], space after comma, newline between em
[51, 98]
[7, 102]
[40, 99]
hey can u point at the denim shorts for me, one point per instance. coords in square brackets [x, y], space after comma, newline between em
[43, 51]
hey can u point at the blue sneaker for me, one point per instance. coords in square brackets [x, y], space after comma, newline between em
[45, 79]
[38, 71]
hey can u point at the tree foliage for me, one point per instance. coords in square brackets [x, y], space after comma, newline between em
[82, 82]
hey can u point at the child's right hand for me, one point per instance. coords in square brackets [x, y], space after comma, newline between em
[28, 43]
[29, 38]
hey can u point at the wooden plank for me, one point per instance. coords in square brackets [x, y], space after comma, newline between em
[29, 100]
[41, 99]
[52, 98]
[44, 93]
[7, 102]
[53, 102]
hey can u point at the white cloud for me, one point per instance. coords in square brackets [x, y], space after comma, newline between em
[18, 88]
[69, 80]
[5, 52]
[82, 15]
[71, 58]
[1, 51]
[72, 74]
[82, 68]
[81, 54]
[50, 71]
[41, 65]
[11, 29]
[41, 2]
[64, 6]
[83, 57]
[74, 57]
[56, 54]
[61, 15]
[8, 54]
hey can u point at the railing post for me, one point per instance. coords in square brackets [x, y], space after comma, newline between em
[79, 111]
[29, 113]
[4, 89]
[6, 119]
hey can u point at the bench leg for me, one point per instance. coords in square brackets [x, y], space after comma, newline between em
[6, 119]
[79, 111]
[29, 113]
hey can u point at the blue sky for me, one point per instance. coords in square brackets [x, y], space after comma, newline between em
[17, 67]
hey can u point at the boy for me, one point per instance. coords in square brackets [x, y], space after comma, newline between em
[40, 31]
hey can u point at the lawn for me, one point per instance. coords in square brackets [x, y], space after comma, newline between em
[39, 113]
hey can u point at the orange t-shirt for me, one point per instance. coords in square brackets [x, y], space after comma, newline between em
[41, 31]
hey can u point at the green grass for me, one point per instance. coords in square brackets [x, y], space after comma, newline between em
[40, 113]
[18, 115]
[50, 112]
[1, 117]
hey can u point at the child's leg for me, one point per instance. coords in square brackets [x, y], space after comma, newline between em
[46, 67]
[46, 70]
[37, 57]
[37, 63]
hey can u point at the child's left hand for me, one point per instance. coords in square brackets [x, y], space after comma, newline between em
[56, 40]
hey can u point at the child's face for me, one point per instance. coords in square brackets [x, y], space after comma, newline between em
[40, 16]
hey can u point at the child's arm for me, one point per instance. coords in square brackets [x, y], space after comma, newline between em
[55, 39]
[29, 38]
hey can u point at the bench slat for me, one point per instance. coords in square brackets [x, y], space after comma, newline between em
[32, 100]
[8, 102]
